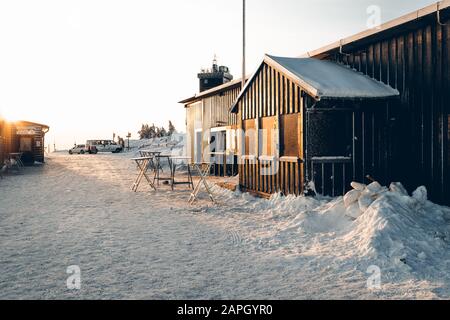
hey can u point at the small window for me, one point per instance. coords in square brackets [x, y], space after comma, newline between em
[26, 145]
[330, 134]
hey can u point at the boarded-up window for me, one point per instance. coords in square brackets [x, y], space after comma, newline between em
[267, 137]
[25, 144]
[291, 137]
[250, 137]
[330, 134]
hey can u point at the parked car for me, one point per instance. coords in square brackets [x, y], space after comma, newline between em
[78, 149]
[94, 146]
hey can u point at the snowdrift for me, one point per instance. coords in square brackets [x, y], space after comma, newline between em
[398, 230]
[371, 225]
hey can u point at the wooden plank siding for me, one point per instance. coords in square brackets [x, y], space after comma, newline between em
[273, 104]
[209, 112]
[10, 141]
[416, 62]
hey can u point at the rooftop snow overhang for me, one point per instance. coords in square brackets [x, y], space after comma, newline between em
[326, 80]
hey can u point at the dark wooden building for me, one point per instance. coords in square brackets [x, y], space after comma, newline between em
[3, 130]
[298, 117]
[337, 139]
[411, 54]
[24, 137]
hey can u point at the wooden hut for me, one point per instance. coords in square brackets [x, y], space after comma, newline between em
[298, 118]
[329, 140]
[2, 141]
[411, 54]
[27, 138]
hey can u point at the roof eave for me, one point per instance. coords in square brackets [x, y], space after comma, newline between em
[413, 16]
[213, 91]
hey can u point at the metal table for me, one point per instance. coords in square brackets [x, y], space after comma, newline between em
[158, 167]
[152, 154]
[173, 167]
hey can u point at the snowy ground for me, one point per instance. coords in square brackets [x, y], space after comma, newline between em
[79, 210]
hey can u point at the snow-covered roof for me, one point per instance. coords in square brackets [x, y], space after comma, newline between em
[324, 79]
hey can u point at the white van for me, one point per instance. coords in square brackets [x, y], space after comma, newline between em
[94, 146]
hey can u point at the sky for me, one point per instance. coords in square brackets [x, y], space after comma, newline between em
[91, 68]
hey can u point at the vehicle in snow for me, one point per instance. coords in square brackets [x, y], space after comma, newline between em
[95, 146]
[78, 149]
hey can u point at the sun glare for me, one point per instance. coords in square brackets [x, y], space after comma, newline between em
[9, 115]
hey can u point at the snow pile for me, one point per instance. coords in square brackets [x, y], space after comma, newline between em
[398, 230]
[370, 225]
[173, 145]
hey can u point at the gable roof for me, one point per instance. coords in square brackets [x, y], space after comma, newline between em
[326, 80]
[213, 91]
[29, 123]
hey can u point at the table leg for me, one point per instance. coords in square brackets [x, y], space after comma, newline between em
[194, 193]
[158, 164]
[190, 177]
[172, 166]
[208, 189]
[145, 168]
[138, 179]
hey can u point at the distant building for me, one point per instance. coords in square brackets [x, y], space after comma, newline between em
[24, 137]
[214, 77]
[210, 127]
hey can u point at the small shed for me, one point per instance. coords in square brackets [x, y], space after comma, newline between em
[299, 128]
[27, 138]
[3, 130]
